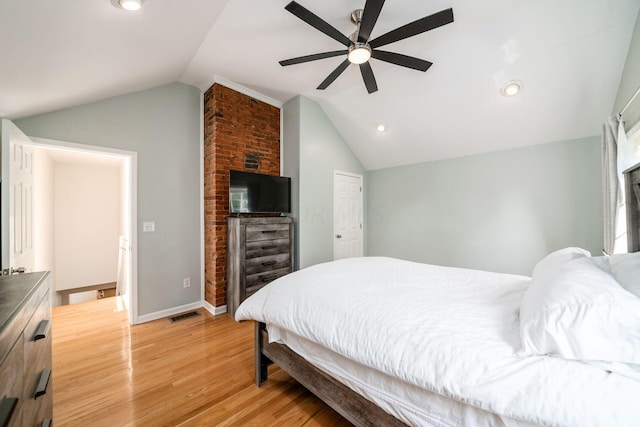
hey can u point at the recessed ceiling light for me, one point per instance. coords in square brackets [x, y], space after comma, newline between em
[512, 88]
[130, 5]
[381, 128]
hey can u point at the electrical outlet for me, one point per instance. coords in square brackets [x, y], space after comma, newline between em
[186, 283]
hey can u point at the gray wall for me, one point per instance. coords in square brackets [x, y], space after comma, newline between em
[163, 126]
[500, 211]
[630, 81]
[321, 150]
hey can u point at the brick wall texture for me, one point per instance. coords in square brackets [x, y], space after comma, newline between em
[239, 131]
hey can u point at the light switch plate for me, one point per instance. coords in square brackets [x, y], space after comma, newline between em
[148, 226]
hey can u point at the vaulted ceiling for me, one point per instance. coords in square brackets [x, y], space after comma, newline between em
[569, 54]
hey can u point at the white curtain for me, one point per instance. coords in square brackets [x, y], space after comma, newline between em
[616, 157]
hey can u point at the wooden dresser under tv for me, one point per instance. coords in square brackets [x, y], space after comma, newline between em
[259, 250]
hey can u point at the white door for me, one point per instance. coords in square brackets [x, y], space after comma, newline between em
[348, 235]
[17, 198]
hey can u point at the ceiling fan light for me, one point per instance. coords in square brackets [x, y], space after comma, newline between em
[359, 53]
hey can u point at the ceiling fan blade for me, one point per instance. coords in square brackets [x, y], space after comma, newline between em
[368, 77]
[370, 15]
[316, 22]
[315, 57]
[427, 23]
[402, 60]
[334, 75]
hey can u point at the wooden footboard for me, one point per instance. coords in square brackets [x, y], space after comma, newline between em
[355, 408]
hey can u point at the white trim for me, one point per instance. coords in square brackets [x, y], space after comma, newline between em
[245, 90]
[281, 140]
[133, 301]
[351, 174]
[202, 229]
[169, 312]
[72, 146]
[215, 311]
[133, 239]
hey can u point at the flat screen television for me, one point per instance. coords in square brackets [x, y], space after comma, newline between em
[258, 193]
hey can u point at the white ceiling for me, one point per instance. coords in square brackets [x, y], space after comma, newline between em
[570, 55]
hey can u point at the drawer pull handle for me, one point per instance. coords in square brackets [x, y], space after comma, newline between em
[46, 423]
[43, 383]
[264, 248]
[269, 231]
[7, 405]
[268, 279]
[43, 330]
[268, 263]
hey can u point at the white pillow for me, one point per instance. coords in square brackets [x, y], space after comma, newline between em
[558, 258]
[578, 311]
[626, 269]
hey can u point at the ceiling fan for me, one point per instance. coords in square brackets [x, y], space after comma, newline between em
[359, 48]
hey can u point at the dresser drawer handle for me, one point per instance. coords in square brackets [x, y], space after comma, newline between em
[268, 279]
[43, 383]
[264, 248]
[268, 263]
[43, 330]
[46, 423]
[7, 405]
[270, 231]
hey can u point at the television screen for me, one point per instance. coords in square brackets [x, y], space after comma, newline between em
[257, 193]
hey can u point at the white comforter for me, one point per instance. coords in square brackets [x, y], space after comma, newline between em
[451, 331]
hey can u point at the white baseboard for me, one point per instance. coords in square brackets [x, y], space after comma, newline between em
[168, 312]
[215, 311]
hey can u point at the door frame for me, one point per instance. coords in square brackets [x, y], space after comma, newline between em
[131, 161]
[335, 208]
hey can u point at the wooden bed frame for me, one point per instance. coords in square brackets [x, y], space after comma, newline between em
[355, 408]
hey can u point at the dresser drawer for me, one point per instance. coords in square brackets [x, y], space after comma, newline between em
[37, 357]
[256, 281]
[267, 263]
[11, 381]
[267, 247]
[10, 333]
[256, 233]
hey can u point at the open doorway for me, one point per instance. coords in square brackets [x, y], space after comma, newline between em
[84, 221]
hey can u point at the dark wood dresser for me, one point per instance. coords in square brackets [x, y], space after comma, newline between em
[25, 350]
[259, 250]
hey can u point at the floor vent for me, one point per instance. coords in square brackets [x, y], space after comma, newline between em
[184, 316]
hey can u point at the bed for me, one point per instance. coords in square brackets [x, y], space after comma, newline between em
[391, 342]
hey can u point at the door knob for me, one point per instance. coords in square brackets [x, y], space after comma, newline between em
[338, 236]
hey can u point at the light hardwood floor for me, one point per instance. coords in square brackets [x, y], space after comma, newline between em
[195, 372]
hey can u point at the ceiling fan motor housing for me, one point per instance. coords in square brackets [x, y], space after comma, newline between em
[360, 48]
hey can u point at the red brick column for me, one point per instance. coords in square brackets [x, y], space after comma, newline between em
[238, 130]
